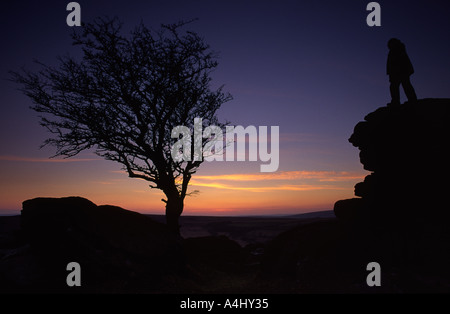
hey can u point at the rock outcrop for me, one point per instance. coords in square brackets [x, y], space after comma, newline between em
[402, 204]
[405, 149]
[117, 249]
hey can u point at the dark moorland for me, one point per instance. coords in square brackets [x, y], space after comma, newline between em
[124, 252]
[397, 219]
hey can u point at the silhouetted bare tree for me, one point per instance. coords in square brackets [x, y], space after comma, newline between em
[124, 98]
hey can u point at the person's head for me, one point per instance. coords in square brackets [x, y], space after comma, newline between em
[395, 43]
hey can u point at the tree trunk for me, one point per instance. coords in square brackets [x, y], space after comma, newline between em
[174, 208]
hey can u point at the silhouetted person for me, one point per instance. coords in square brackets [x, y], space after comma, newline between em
[399, 69]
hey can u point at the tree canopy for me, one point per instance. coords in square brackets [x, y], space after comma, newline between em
[125, 96]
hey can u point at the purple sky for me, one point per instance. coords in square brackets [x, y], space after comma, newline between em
[314, 68]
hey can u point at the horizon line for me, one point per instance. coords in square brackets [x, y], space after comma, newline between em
[209, 214]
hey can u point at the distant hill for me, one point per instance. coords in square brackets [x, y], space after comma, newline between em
[315, 214]
[318, 214]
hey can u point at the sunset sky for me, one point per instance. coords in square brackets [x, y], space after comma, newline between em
[313, 68]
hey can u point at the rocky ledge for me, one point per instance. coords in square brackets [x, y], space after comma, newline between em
[401, 207]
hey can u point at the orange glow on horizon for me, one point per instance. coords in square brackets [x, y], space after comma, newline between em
[221, 194]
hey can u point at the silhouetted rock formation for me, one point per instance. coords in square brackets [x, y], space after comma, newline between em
[405, 148]
[118, 250]
[403, 202]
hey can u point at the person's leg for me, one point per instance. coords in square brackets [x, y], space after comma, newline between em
[409, 89]
[395, 91]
